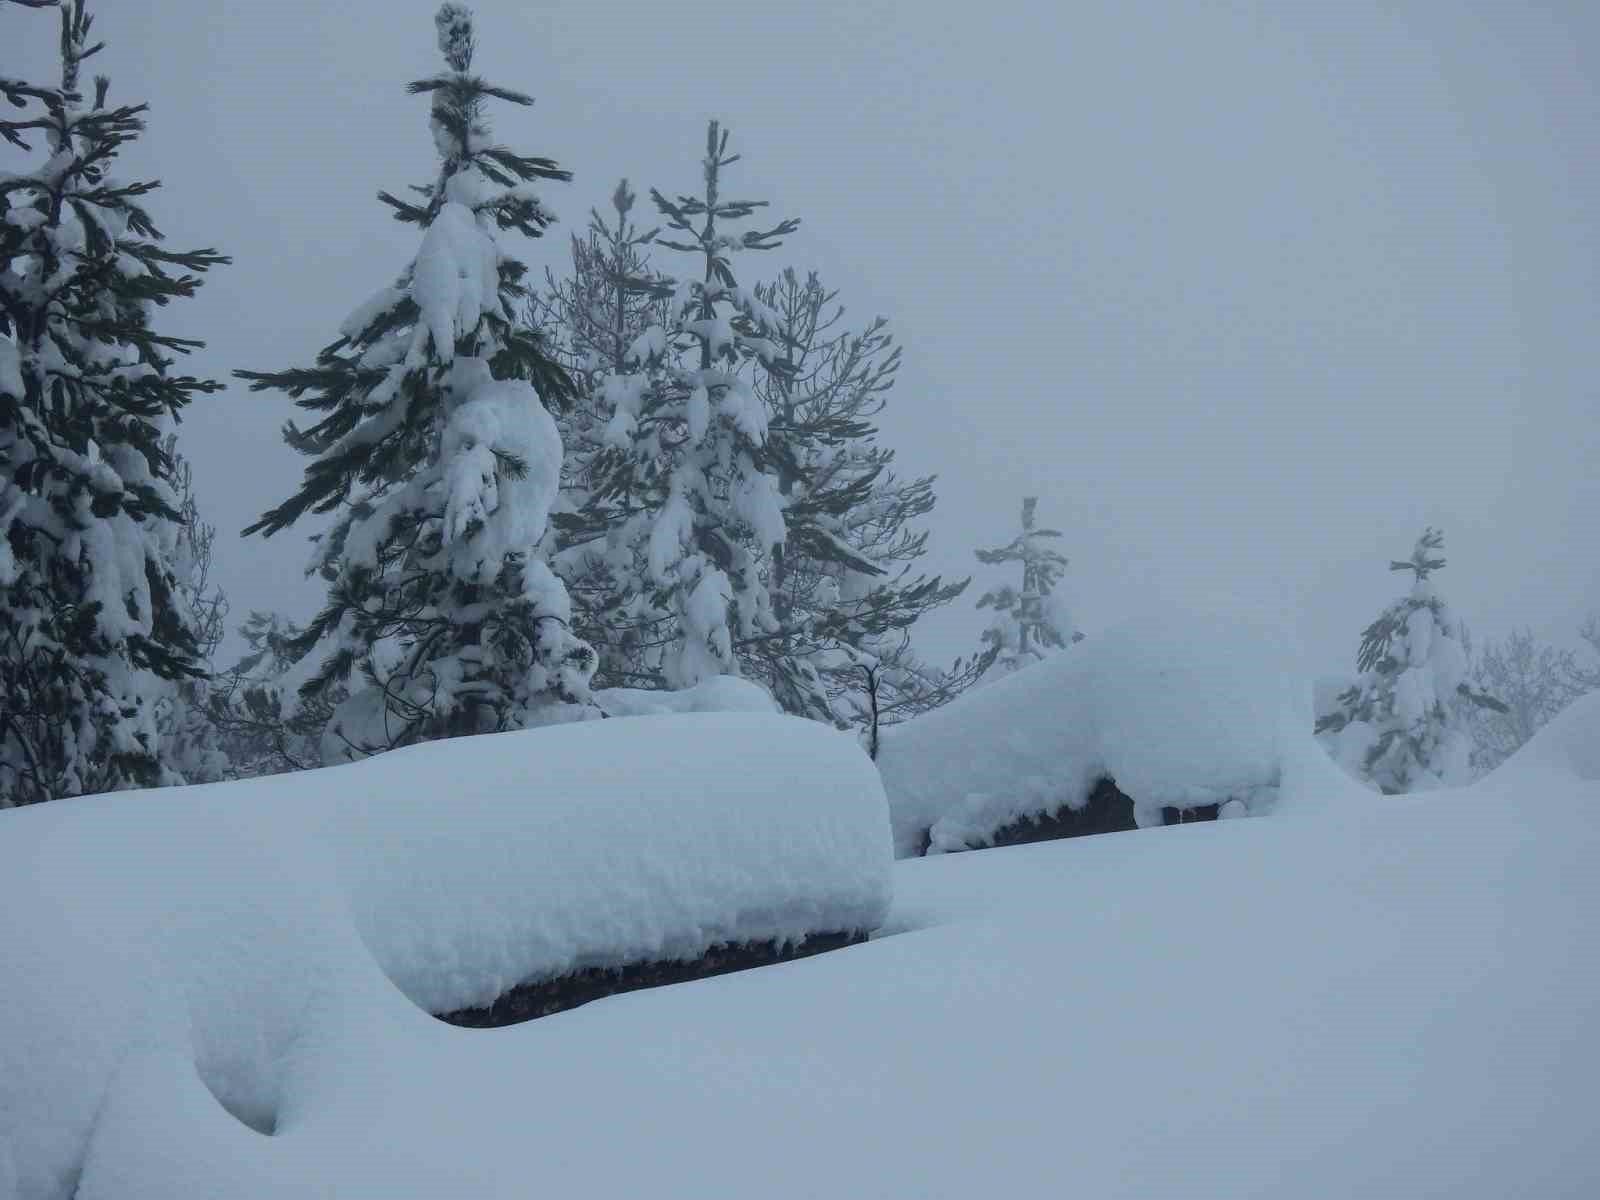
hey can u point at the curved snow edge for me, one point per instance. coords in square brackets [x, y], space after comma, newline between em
[1199, 706]
[251, 928]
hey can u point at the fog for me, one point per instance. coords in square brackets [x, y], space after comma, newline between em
[1246, 294]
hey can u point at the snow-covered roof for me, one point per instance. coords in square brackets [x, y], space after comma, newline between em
[1199, 706]
[249, 939]
[716, 693]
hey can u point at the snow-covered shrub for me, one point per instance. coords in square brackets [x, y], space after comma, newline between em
[1535, 681]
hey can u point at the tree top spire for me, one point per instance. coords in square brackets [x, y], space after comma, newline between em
[456, 41]
[1420, 561]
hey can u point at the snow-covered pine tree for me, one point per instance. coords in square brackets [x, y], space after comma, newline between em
[1398, 726]
[435, 449]
[93, 633]
[1028, 621]
[843, 593]
[690, 441]
[594, 316]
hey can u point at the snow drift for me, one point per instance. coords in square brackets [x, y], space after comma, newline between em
[1569, 744]
[1384, 999]
[716, 693]
[1199, 707]
[243, 936]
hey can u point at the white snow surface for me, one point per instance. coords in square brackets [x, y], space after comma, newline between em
[1199, 706]
[1568, 745]
[456, 277]
[1379, 999]
[503, 511]
[716, 693]
[266, 948]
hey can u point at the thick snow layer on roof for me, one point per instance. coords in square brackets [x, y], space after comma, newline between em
[716, 693]
[1386, 999]
[1198, 707]
[271, 942]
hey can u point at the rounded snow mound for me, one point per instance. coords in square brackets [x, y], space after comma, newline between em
[249, 936]
[1200, 705]
[1569, 744]
[1188, 708]
[718, 693]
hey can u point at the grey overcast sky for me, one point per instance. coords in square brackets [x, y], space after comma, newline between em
[1246, 293]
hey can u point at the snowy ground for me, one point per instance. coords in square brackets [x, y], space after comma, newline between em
[1386, 999]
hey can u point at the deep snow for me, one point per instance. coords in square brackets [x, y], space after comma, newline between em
[1197, 706]
[719, 693]
[1388, 997]
[241, 933]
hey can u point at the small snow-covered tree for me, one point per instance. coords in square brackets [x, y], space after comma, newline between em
[434, 448]
[93, 631]
[688, 446]
[1399, 726]
[1029, 620]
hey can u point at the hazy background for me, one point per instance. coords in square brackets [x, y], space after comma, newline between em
[1247, 294]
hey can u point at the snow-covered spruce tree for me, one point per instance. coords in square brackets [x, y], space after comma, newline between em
[688, 444]
[93, 631]
[1028, 621]
[843, 593]
[594, 317]
[434, 448]
[1398, 726]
